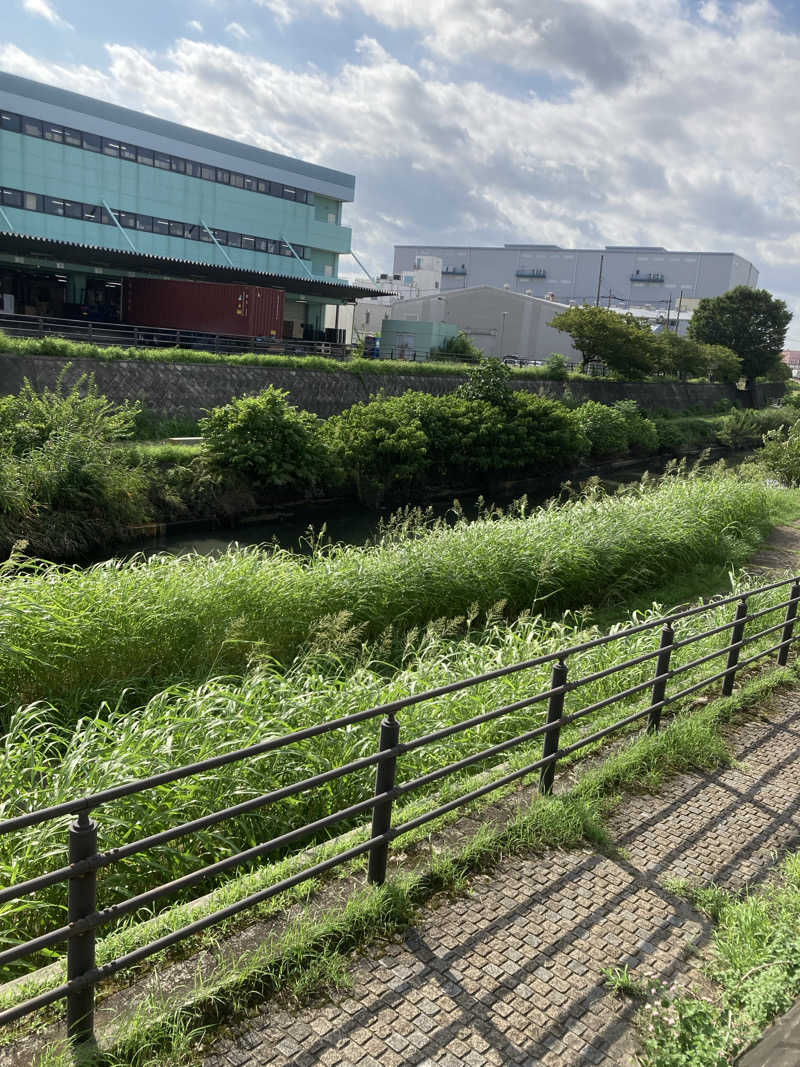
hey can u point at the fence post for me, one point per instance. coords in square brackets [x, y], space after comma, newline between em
[791, 614]
[660, 684]
[733, 655]
[382, 812]
[555, 709]
[80, 949]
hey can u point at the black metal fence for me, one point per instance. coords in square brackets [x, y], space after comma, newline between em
[127, 336]
[80, 875]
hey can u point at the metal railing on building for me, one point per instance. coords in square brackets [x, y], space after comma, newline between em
[122, 335]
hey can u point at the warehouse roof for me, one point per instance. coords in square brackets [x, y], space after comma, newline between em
[54, 253]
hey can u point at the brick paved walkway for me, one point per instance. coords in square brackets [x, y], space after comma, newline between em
[511, 974]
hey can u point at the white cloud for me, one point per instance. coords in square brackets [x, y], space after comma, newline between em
[696, 148]
[235, 29]
[281, 9]
[195, 25]
[44, 9]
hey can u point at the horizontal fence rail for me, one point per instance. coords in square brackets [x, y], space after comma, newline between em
[123, 335]
[85, 915]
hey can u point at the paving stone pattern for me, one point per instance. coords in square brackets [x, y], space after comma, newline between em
[512, 973]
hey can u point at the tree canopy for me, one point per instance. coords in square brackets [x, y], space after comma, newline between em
[619, 341]
[750, 322]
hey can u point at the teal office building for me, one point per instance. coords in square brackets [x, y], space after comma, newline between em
[92, 194]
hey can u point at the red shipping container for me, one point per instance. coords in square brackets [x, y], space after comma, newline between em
[208, 307]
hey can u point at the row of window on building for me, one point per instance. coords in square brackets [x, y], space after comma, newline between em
[133, 220]
[148, 157]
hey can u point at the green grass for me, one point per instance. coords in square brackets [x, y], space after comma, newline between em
[46, 761]
[80, 636]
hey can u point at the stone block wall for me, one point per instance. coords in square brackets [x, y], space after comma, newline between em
[193, 388]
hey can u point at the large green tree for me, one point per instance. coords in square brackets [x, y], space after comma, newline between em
[751, 322]
[620, 341]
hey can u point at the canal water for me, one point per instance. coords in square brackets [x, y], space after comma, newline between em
[348, 523]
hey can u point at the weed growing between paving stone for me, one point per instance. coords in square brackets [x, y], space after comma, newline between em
[754, 963]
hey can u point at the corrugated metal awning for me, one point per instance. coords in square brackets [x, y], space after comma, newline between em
[50, 252]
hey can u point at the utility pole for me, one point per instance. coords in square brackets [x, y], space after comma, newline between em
[669, 310]
[599, 281]
[678, 319]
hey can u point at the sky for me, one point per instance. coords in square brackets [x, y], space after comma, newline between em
[573, 122]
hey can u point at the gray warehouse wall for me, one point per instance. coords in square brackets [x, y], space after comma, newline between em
[192, 388]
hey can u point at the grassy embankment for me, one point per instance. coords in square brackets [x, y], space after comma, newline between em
[124, 632]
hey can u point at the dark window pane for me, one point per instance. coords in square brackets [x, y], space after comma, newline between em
[163, 161]
[250, 183]
[104, 217]
[53, 206]
[208, 173]
[176, 229]
[11, 122]
[276, 189]
[72, 209]
[300, 196]
[32, 127]
[33, 202]
[178, 165]
[235, 240]
[309, 197]
[12, 198]
[248, 242]
[263, 187]
[144, 222]
[160, 226]
[144, 155]
[221, 236]
[237, 180]
[53, 132]
[190, 231]
[194, 169]
[127, 151]
[91, 213]
[285, 250]
[110, 148]
[288, 193]
[127, 219]
[223, 176]
[91, 142]
[73, 137]
[273, 248]
[261, 244]
[204, 235]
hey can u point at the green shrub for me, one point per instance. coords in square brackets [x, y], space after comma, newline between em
[378, 444]
[605, 428]
[265, 438]
[670, 437]
[780, 455]
[555, 367]
[28, 419]
[459, 349]
[490, 381]
[745, 429]
[642, 433]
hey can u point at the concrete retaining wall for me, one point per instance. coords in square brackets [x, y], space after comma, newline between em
[193, 388]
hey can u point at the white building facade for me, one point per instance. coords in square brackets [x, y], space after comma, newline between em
[621, 276]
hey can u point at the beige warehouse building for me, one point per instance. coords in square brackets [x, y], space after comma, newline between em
[499, 321]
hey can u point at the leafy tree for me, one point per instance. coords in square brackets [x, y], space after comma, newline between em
[620, 341]
[722, 364]
[751, 322]
[679, 355]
